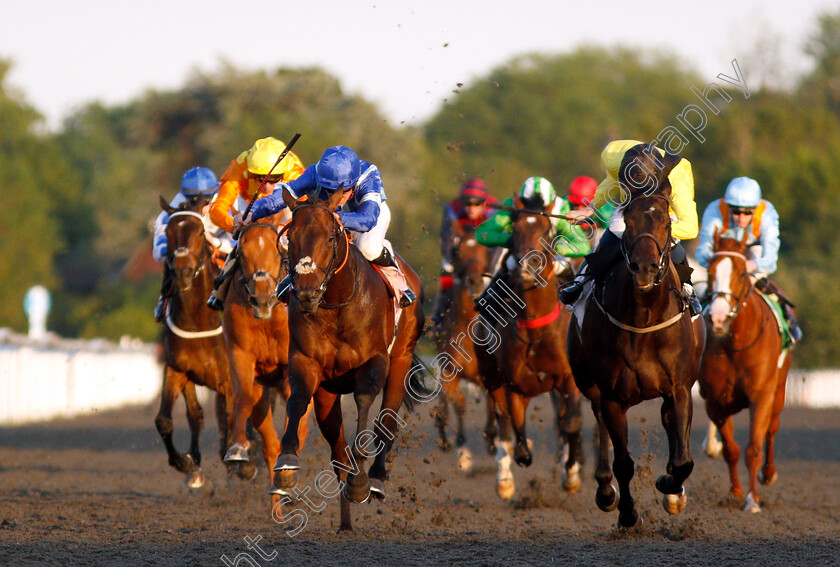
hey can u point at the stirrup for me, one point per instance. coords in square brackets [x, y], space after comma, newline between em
[407, 297]
[284, 288]
[795, 330]
[571, 293]
[215, 303]
[694, 305]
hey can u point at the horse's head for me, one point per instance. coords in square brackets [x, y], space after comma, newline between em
[470, 259]
[532, 235]
[729, 282]
[186, 249]
[317, 248]
[261, 265]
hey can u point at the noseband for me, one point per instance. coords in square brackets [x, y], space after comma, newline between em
[310, 265]
[739, 303]
[663, 250]
[183, 251]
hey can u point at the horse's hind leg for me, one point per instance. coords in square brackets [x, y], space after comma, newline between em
[173, 384]
[518, 405]
[615, 417]
[442, 416]
[768, 471]
[195, 417]
[568, 428]
[676, 415]
[491, 429]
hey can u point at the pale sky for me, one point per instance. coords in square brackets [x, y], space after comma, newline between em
[406, 56]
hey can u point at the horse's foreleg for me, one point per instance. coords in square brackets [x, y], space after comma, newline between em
[518, 405]
[491, 430]
[304, 378]
[731, 453]
[615, 417]
[173, 384]
[505, 486]
[195, 417]
[676, 415]
[367, 387]
[768, 471]
[605, 495]
[760, 416]
[263, 421]
[442, 416]
[242, 366]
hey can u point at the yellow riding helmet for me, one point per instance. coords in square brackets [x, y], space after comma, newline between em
[263, 155]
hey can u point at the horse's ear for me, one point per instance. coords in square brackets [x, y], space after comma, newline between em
[164, 205]
[334, 200]
[290, 201]
[669, 162]
[517, 202]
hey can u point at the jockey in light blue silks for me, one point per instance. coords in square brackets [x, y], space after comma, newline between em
[363, 210]
[196, 183]
[743, 209]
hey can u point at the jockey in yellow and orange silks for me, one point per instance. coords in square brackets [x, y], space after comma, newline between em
[240, 181]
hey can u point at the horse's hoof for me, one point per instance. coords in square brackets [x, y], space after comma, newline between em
[465, 459]
[444, 445]
[237, 453]
[571, 479]
[285, 480]
[606, 500]
[522, 455]
[752, 504]
[674, 503]
[356, 494]
[713, 448]
[630, 519]
[505, 489]
[196, 479]
[287, 462]
[246, 471]
[377, 489]
[344, 529]
[274, 489]
[667, 485]
[768, 481]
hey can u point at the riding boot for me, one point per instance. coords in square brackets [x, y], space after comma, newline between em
[221, 284]
[386, 260]
[159, 309]
[692, 300]
[793, 326]
[570, 293]
[165, 292]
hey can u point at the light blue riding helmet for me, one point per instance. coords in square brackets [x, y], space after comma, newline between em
[742, 192]
[199, 181]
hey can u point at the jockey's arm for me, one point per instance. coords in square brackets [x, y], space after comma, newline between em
[770, 242]
[711, 221]
[495, 231]
[159, 237]
[682, 202]
[274, 203]
[364, 217]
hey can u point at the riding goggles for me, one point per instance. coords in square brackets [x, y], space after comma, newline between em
[746, 211]
[270, 179]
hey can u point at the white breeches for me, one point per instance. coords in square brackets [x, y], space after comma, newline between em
[370, 243]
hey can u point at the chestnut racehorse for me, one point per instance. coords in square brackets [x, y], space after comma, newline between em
[257, 339]
[530, 358]
[469, 259]
[345, 338]
[194, 350]
[637, 342]
[744, 365]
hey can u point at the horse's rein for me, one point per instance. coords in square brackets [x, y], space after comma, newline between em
[739, 303]
[184, 251]
[259, 274]
[663, 250]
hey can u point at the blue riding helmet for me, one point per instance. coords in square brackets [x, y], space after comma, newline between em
[199, 181]
[339, 167]
[742, 192]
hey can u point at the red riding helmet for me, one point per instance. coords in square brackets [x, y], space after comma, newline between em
[582, 190]
[474, 192]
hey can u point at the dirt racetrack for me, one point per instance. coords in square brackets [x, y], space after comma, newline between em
[97, 491]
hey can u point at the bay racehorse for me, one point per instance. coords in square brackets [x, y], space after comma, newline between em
[193, 346]
[345, 339]
[469, 259]
[745, 365]
[257, 340]
[637, 342]
[529, 357]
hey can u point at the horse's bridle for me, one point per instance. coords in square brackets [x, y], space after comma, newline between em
[330, 270]
[260, 275]
[547, 236]
[182, 251]
[739, 303]
[664, 250]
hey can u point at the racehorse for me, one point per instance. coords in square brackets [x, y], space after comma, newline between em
[469, 259]
[345, 338]
[637, 342]
[194, 350]
[744, 365]
[530, 358]
[257, 340]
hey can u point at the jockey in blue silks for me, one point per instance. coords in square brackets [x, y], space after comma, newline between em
[363, 210]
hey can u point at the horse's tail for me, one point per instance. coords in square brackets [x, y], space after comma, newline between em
[416, 384]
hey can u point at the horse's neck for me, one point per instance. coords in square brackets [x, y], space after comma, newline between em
[188, 307]
[354, 274]
[540, 299]
[633, 307]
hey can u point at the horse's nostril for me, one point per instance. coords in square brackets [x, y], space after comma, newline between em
[634, 267]
[253, 301]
